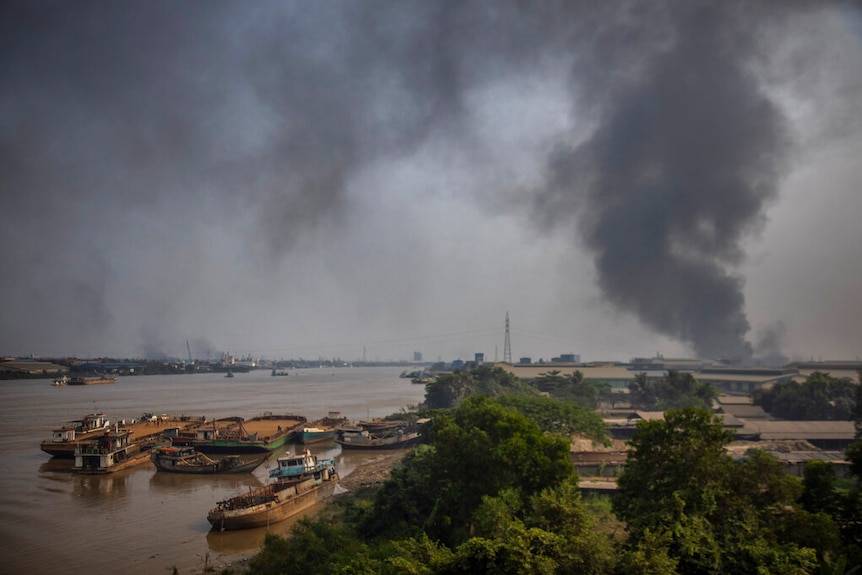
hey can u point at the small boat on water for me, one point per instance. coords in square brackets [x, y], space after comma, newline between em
[92, 379]
[188, 460]
[293, 466]
[108, 453]
[64, 439]
[273, 502]
[60, 381]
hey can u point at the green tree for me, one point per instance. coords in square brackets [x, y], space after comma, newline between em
[680, 491]
[557, 417]
[550, 381]
[819, 397]
[313, 548]
[819, 494]
[449, 390]
[675, 390]
[476, 451]
[678, 459]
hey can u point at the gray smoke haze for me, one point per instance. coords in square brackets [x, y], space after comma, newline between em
[684, 159]
[295, 179]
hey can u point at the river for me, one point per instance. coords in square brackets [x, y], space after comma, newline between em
[139, 521]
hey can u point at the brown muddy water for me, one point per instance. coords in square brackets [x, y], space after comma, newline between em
[139, 521]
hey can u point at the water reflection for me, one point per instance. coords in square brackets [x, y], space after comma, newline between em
[90, 488]
[173, 482]
[57, 465]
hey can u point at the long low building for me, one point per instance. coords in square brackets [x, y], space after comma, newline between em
[728, 379]
[30, 368]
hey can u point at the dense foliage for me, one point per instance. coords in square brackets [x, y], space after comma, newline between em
[676, 390]
[450, 389]
[575, 387]
[492, 493]
[820, 397]
[685, 501]
[477, 451]
[557, 417]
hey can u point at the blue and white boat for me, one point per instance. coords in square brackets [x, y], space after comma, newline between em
[301, 465]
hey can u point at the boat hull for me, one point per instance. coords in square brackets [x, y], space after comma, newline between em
[91, 380]
[59, 450]
[305, 495]
[132, 460]
[175, 465]
[271, 431]
[307, 437]
[385, 443]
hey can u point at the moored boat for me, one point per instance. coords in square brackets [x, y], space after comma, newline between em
[108, 453]
[60, 381]
[272, 503]
[364, 439]
[188, 460]
[64, 439]
[293, 466]
[322, 429]
[261, 434]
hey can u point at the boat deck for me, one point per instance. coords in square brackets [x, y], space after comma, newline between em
[269, 426]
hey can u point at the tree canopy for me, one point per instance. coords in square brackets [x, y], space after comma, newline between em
[674, 391]
[575, 387]
[687, 504]
[819, 397]
[478, 450]
[449, 390]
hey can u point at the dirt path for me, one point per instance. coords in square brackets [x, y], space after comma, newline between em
[373, 472]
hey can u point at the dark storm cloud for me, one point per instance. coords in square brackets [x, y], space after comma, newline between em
[117, 113]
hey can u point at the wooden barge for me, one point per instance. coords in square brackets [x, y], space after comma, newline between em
[272, 503]
[64, 440]
[233, 435]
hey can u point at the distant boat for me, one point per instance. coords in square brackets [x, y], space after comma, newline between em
[274, 502]
[59, 381]
[278, 373]
[229, 374]
[188, 460]
[92, 379]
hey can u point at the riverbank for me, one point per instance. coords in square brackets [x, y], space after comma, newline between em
[372, 473]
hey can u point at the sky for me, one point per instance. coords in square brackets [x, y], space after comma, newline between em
[368, 179]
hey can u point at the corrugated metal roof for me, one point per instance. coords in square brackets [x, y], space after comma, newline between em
[801, 429]
[745, 411]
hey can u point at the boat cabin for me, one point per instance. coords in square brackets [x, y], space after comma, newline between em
[298, 465]
[104, 452]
